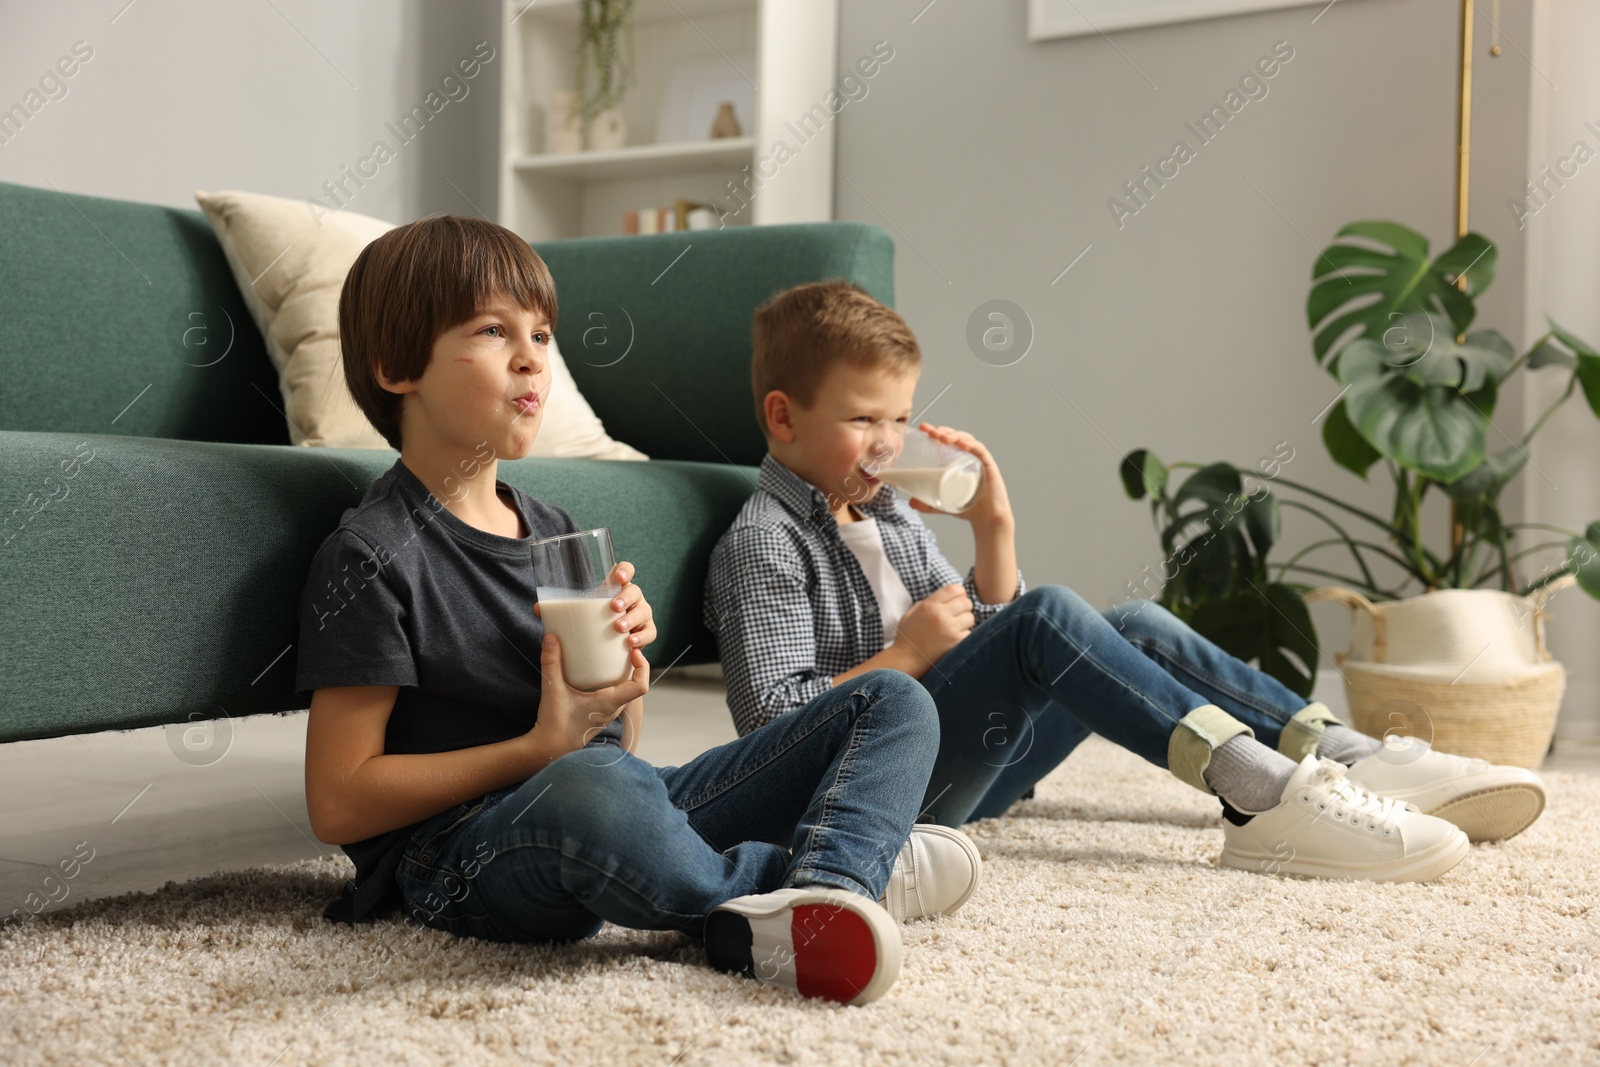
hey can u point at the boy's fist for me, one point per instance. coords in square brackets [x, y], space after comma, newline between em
[934, 625]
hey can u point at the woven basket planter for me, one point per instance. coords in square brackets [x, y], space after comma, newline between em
[1464, 669]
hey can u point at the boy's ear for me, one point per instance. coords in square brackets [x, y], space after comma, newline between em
[392, 386]
[779, 410]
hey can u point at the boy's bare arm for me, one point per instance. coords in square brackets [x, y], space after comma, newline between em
[354, 790]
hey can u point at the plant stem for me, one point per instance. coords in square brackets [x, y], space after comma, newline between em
[1342, 578]
[1547, 579]
[1520, 555]
[1369, 516]
[1572, 384]
[1400, 561]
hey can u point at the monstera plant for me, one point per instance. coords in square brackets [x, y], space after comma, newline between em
[1418, 392]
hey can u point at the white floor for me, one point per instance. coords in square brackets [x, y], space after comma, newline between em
[169, 804]
[234, 799]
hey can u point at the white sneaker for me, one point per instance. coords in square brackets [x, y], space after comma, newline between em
[821, 942]
[937, 870]
[1329, 827]
[1489, 802]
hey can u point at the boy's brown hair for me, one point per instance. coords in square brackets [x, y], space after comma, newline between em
[803, 332]
[414, 283]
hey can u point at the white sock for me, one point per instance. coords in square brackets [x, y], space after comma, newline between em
[1247, 774]
[1345, 745]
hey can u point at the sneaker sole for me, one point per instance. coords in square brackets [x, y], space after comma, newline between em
[1494, 814]
[1423, 867]
[829, 944]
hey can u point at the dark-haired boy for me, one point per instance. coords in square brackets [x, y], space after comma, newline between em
[469, 783]
[836, 577]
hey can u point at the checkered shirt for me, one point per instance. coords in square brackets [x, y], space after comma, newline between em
[789, 603]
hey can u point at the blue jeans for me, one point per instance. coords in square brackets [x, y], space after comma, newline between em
[823, 796]
[1020, 692]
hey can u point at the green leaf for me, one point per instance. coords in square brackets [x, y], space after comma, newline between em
[1401, 278]
[1547, 353]
[1405, 397]
[1263, 521]
[1212, 485]
[1345, 444]
[1269, 625]
[1143, 474]
[1489, 477]
[1585, 555]
[1588, 361]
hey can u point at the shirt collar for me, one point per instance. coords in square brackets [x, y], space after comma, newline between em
[805, 501]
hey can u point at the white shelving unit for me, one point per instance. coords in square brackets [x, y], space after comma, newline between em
[790, 50]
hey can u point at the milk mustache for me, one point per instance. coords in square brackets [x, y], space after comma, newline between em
[594, 654]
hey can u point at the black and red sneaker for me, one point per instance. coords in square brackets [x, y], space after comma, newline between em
[821, 942]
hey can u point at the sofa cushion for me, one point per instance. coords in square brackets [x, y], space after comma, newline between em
[291, 269]
[159, 580]
[122, 318]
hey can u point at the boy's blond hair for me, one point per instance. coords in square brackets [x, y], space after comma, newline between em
[414, 283]
[803, 332]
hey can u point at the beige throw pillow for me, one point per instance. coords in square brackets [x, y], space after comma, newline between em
[290, 269]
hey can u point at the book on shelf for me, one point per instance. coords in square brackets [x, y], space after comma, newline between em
[682, 215]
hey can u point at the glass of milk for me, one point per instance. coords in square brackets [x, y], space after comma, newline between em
[572, 575]
[941, 476]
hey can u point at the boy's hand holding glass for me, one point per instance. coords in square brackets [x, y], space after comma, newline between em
[989, 505]
[596, 622]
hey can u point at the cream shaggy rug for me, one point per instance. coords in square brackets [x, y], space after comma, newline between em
[1104, 933]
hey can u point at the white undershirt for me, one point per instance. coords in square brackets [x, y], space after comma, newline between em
[894, 599]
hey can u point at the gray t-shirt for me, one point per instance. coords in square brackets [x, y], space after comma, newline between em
[404, 593]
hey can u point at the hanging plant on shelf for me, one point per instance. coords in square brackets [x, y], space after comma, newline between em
[605, 42]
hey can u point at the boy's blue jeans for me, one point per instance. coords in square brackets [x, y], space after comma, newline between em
[825, 795]
[1020, 692]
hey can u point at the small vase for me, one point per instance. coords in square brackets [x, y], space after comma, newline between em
[607, 130]
[563, 127]
[726, 124]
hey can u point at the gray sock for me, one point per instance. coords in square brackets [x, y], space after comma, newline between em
[1345, 745]
[1247, 774]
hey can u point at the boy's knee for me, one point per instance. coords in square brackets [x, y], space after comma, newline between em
[583, 784]
[1137, 615]
[1053, 600]
[897, 693]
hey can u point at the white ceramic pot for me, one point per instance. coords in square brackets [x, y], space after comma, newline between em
[607, 130]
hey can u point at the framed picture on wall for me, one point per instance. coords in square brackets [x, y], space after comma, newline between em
[1073, 18]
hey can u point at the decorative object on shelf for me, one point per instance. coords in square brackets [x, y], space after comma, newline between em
[607, 131]
[726, 124]
[695, 95]
[605, 43]
[563, 130]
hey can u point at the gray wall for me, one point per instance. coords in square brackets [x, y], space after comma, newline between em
[991, 158]
[266, 97]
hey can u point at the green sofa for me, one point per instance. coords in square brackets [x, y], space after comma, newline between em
[157, 525]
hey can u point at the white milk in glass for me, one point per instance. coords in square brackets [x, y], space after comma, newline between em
[946, 488]
[594, 654]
